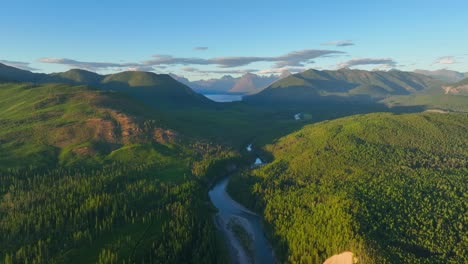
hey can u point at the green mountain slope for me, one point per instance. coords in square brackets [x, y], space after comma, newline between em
[453, 97]
[390, 188]
[182, 109]
[91, 176]
[343, 84]
[60, 117]
[430, 101]
[158, 90]
[77, 76]
[153, 88]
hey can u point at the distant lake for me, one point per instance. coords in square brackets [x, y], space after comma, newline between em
[223, 98]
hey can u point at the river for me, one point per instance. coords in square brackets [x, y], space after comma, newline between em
[229, 209]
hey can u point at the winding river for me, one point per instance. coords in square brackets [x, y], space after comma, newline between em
[229, 209]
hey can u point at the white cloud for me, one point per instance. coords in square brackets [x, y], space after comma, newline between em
[383, 67]
[445, 60]
[141, 68]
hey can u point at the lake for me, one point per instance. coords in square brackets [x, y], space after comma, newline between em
[224, 98]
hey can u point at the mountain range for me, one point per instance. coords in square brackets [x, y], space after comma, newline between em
[344, 84]
[248, 83]
[309, 87]
[138, 83]
[154, 89]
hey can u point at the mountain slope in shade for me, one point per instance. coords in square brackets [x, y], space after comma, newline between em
[160, 88]
[343, 84]
[9, 73]
[444, 75]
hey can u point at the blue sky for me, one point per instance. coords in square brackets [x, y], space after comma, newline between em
[233, 36]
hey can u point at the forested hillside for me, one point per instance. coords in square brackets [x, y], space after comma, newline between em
[233, 132]
[390, 188]
[95, 177]
[357, 91]
[343, 85]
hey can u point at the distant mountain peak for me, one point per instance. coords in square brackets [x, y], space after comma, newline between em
[251, 83]
[249, 74]
[284, 74]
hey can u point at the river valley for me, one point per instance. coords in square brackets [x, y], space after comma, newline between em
[229, 210]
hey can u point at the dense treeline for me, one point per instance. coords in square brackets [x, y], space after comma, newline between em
[95, 177]
[126, 213]
[390, 188]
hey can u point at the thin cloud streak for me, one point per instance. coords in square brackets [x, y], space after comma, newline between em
[295, 58]
[339, 43]
[196, 70]
[19, 64]
[367, 61]
[93, 66]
